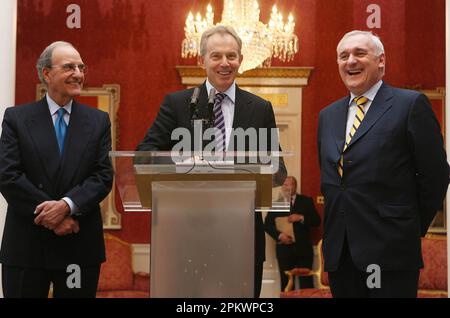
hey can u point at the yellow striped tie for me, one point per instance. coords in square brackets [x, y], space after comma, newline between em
[360, 102]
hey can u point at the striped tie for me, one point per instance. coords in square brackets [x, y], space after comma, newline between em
[219, 122]
[360, 102]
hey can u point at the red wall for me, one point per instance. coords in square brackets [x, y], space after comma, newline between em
[136, 44]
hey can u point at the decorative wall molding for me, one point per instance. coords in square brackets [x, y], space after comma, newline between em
[141, 257]
[260, 77]
[284, 72]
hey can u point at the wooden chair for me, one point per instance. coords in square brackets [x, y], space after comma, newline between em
[320, 277]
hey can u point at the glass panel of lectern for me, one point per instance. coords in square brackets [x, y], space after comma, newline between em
[202, 222]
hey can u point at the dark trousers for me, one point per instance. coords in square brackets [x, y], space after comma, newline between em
[288, 263]
[350, 282]
[258, 278]
[19, 282]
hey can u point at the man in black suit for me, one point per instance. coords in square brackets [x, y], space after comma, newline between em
[220, 55]
[384, 175]
[54, 172]
[294, 251]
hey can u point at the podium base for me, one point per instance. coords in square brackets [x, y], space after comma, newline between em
[202, 239]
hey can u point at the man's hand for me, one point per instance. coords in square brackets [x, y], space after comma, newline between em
[67, 226]
[285, 239]
[51, 213]
[296, 218]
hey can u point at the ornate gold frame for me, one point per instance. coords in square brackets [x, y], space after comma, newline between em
[439, 224]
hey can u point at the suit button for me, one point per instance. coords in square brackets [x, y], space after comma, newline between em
[342, 212]
[342, 186]
[40, 186]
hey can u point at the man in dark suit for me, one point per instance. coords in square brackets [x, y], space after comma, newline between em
[383, 175]
[54, 172]
[294, 251]
[220, 51]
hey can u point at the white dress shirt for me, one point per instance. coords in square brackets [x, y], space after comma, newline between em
[53, 107]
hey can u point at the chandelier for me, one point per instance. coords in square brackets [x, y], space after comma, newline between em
[260, 42]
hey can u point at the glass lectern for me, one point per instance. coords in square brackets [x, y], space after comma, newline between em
[202, 229]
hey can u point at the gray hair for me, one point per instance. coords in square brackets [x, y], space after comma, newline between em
[45, 59]
[220, 29]
[379, 48]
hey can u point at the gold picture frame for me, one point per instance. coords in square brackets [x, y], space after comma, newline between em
[437, 100]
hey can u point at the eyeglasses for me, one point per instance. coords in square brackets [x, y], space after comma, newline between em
[71, 68]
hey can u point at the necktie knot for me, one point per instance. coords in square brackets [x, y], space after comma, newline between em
[219, 98]
[361, 100]
[61, 112]
[61, 129]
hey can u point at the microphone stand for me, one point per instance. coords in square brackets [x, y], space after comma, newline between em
[196, 122]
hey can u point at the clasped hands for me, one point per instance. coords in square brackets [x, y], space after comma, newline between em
[296, 218]
[285, 239]
[54, 215]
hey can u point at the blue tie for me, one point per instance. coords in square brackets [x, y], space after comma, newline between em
[61, 129]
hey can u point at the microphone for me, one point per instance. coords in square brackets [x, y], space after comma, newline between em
[212, 96]
[193, 103]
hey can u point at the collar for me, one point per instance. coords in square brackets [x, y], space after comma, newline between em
[53, 107]
[230, 92]
[370, 94]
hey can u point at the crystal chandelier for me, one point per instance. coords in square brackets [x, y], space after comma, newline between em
[260, 42]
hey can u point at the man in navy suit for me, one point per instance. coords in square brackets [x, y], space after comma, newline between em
[54, 172]
[384, 175]
[220, 55]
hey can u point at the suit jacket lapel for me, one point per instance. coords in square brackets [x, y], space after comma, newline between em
[202, 103]
[243, 109]
[78, 135]
[42, 131]
[379, 106]
[340, 124]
